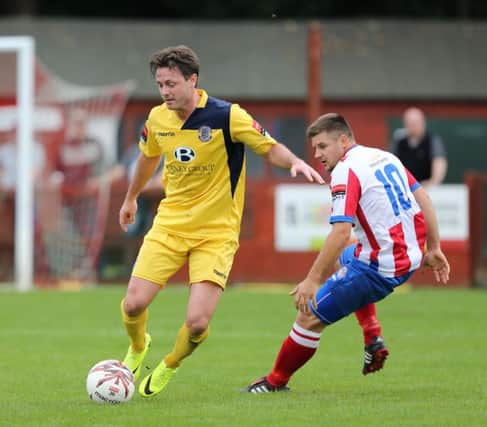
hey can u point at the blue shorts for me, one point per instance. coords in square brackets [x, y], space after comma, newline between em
[352, 287]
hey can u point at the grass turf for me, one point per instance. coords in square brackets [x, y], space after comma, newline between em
[436, 375]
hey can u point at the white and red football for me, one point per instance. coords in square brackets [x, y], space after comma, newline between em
[110, 382]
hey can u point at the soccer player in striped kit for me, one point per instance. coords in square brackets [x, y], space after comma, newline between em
[393, 218]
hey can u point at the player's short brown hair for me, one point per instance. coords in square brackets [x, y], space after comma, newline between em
[330, 123]
[180, 57]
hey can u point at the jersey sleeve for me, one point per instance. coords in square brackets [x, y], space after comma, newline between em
[345, 195]
[412, 182]
[147, 142]
[245, 129]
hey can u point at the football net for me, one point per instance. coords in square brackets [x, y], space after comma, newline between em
[74, 147]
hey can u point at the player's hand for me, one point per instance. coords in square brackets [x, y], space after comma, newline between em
[436, 260]
[301, 167]
[127, 213]
[303, 293]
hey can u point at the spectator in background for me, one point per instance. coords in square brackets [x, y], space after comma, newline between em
[79, 158]
[71, 205]
[421, 151]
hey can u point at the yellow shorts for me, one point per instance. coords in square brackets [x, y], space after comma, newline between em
[162, 254]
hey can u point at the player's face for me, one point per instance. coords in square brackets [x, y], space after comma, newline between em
[176, 91]
[329, 148]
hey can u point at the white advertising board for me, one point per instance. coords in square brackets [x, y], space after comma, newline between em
[451, 205]
[302, 212]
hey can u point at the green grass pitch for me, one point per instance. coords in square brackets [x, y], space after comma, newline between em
[436, 374]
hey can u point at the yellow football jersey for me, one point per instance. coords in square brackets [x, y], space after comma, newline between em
[204, 165]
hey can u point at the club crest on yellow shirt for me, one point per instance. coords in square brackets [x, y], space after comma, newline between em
[204, 133]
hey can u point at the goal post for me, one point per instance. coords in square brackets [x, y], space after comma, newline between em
[24, 48]
[58, 146]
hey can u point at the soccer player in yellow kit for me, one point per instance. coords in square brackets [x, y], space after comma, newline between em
[202, 140]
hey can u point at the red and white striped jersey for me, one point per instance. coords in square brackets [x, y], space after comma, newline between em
[373, 190]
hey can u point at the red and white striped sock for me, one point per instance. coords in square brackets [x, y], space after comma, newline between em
[296, 350]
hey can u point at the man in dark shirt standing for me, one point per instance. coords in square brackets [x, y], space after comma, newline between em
[421, 151]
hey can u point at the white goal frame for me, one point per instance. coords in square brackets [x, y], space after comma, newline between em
[24, 47]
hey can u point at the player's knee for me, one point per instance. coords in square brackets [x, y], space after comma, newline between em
[309, 322]
[133, 307]
[197, 325]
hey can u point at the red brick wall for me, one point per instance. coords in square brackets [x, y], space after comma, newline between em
[256, 259]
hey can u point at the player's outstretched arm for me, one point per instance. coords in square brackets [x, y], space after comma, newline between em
[322, 267]
[434, 257]
[279, 155]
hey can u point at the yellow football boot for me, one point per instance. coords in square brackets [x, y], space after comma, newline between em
[157, 380]
[133, 360]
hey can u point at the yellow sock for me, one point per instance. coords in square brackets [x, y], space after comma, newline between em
[184, 346]
[135, 327]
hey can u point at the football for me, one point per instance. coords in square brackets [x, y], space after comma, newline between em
[110, 382]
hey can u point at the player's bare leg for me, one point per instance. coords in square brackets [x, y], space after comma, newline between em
[140, 293]
[203, 300]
